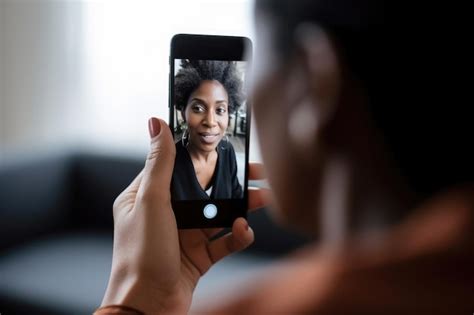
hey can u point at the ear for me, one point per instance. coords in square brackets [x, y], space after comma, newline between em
[321, 68]
[314, 84]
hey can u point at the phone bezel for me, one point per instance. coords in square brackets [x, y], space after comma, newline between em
[189, 213]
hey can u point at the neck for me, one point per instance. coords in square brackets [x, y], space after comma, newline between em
[374, 194]
[380, 196]
[360, 199]
[379, 200]
[199, 155]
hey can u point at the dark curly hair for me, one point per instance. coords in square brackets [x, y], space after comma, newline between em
[193, 72]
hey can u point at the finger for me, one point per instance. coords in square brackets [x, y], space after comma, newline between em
[195, 237]
[258, 198]
[210, 233]
[256, 171]
[155, 184]
[240, 238]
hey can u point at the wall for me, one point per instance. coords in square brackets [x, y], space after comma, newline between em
[2, 101]
[41, 75]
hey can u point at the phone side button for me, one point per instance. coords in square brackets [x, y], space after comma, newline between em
[210, 211]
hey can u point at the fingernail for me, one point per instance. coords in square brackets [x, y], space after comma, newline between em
[246, 226]
[154, 127]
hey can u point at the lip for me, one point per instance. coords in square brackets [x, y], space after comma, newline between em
[208, 137]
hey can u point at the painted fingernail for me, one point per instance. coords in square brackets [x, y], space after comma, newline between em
[154, 127]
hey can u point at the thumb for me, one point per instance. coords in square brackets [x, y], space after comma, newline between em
[156, 181]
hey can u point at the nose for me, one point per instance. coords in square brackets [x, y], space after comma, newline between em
[210, 119]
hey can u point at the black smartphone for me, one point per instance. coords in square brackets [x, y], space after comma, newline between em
[210, 121]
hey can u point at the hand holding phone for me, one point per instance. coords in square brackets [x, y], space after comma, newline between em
[155, 266]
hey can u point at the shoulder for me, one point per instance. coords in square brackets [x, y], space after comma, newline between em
[179, 145]
[292, 286]
[180, 149]
[397, 267]
[182, 156]
[227, 154]
[226, 148]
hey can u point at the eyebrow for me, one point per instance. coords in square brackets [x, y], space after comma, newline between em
[203, 101]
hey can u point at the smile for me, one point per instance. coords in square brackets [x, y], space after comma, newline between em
[208, 138]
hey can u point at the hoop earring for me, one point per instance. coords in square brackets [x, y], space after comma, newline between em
[185, 137]
[225, 143]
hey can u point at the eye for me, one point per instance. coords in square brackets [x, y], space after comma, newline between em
[197, 108]
[221, 110]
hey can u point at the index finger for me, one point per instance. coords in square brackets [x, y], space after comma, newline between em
[256, 171]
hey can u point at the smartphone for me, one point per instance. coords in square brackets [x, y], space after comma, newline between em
[210, 122]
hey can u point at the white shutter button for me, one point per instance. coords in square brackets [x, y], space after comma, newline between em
[210, 211]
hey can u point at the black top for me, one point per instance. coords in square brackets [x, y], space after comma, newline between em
[225, 185]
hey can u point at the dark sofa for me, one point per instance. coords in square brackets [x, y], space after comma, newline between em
[56, 235]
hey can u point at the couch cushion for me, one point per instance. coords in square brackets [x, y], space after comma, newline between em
[95, 183]
[33, 198]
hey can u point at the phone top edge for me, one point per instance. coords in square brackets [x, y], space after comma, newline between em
[209, 47]
[190, 35]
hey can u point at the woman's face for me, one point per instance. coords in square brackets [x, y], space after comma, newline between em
[207, 115]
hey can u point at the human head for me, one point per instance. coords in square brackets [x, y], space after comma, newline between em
[206, 92]
[193, 72]
[366, 89]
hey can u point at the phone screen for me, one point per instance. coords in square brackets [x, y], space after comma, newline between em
[209, 117]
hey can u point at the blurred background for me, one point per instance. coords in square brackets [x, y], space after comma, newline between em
[88, 74]
[78, 82]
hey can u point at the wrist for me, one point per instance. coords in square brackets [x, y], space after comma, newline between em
[143, 295]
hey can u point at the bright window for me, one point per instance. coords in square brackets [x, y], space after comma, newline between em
[126, 48]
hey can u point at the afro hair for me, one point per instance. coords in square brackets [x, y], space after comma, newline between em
[193, 72]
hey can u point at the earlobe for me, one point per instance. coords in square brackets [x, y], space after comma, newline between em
[303, 124]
